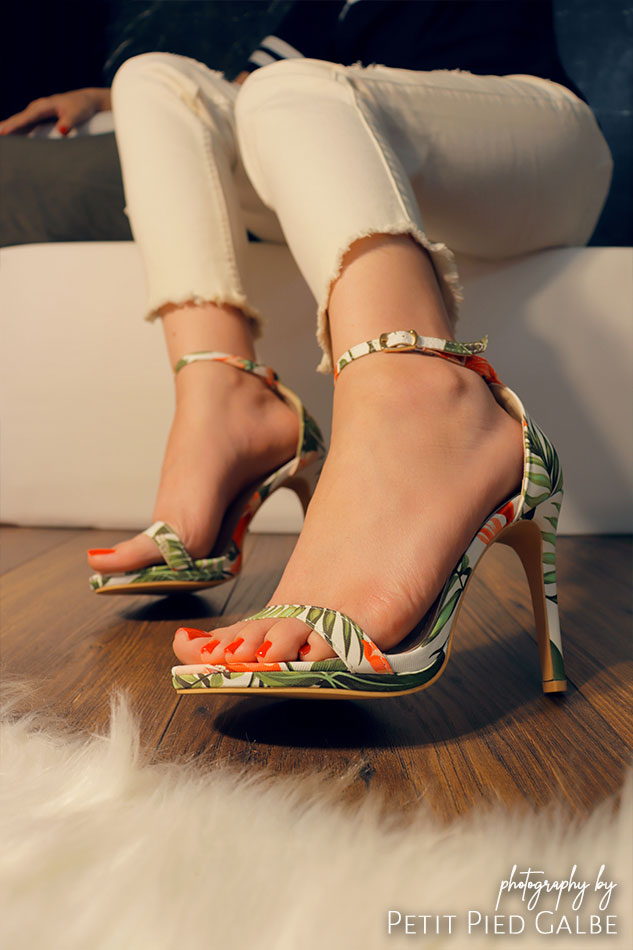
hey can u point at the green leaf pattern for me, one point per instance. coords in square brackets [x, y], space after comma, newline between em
[205, 570]
[312, 437]
[399, 338]
[170, 546]
[314, 678]
[344, 636]
[543, 474]
[543, 490]
[540, 499]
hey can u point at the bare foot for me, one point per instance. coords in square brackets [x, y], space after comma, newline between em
[229, 430]
[421, 453]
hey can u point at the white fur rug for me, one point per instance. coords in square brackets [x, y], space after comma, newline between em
[103, 851]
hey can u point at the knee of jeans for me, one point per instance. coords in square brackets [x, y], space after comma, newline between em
[138, 67]
[289, 82]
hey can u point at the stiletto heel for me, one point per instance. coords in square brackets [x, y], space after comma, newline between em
[179, 571]
[527, 522]
[303, 486]
[535, 543]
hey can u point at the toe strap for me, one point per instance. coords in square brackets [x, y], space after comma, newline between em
[170, 546]
[359, 653]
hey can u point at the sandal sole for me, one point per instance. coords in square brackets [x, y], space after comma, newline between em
[162, 587]
[549, 686]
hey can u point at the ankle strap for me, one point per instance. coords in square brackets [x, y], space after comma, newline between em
[400, 341]
[249, 366]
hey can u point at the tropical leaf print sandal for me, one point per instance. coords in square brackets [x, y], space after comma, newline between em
[526, 522]
[179, 571]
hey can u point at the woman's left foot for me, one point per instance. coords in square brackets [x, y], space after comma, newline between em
[421, 454]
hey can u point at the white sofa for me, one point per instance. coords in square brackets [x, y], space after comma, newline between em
[86, 389]
[86, 394]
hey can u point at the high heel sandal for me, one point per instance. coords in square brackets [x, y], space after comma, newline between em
[179, 571]
[526, 522]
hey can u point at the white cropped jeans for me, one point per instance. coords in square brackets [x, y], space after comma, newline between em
[317, 155]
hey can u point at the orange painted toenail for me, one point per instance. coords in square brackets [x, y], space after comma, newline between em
[232, 647]
[305, 649]
[102, 551]
[264, 648]
[209, 647]
[193, 633]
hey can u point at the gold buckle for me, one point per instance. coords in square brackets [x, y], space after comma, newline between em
[382, 339]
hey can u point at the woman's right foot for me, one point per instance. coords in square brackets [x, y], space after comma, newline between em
[421, 454]
[229, 431]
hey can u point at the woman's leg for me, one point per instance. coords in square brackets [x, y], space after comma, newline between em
[421, 452]
[420, 455]
[175, 131]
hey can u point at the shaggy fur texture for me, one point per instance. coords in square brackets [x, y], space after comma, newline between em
[103, 851]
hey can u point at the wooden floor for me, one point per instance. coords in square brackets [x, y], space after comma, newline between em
[484, 731]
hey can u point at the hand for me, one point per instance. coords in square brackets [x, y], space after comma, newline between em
[68, 108]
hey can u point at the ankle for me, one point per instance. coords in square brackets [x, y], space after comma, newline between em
[421, 397]
[193, 327]
[227, 399]
[382, 277]
[218, 384]
[405, 376]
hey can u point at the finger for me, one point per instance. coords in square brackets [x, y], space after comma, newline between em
[74, 108]
[72, 116]
[15, 123]
[36, 111]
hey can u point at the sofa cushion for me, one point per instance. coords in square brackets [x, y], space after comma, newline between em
[86, 393]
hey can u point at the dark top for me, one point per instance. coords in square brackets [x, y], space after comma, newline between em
[487, 37]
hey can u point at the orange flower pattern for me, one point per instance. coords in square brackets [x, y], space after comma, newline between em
[360, 664]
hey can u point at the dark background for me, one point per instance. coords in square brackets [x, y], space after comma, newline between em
[53, 46]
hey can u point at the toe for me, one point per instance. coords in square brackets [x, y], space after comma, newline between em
[260, 641]
[247, 640]
[315, 648]
[131, 555]
[287, 637]
[214, 650]
[188, 643]
[212, 647]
